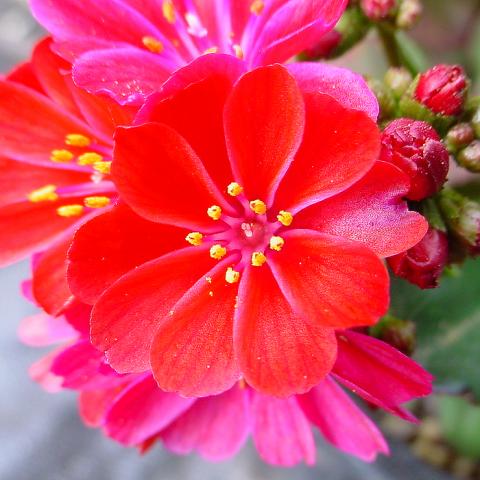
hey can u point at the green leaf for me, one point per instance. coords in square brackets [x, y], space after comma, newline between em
[460, 422]
[448, 326]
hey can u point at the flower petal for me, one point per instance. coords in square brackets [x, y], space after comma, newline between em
[280, 353]
[341, 422]
[281, 432]
[362, 360]
[264, 122]
[162, 179]
[372, 212]
[192, 353]
[141, 411]
[127, 316]
[339, 147]
[42, 330]
[111, 245]
[337, 282]
[347, 87]
[216, 427]
[94, 404]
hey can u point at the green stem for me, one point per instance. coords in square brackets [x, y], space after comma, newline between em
[387, 36]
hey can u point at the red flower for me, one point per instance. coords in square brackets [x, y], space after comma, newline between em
[417, 150]
[287, 256]
[132, 410]
[56, 144]
[443, 89]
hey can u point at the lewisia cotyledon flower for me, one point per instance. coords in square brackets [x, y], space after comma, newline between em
[55, 154]
[128, 48]
[132, 410]
[253, 217]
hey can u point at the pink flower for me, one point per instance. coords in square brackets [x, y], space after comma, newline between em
[128, 48]
[132, 410]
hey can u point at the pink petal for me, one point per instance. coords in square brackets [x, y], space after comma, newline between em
[41, 330]
[40, 373]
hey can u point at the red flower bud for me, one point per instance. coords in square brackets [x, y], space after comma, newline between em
[416, 149]
[327, 44]
[377, 9]
[423, 264]
[442, 89]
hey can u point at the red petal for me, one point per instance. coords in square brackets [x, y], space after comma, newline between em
[281, 432]
[162, 179]
[379, 373]
[339, 147]
[127, 316]
[216, 427]
[372, 212]
[113, 244]
[337, 282]
[192, 353]
[341, 422]
[264, 122]
[280, 353]
[25, 75]
[93, 405]
[142, 410]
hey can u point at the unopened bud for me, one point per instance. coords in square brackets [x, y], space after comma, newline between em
[409, 12]
[424, 263]
[400, 334]
[459, 137]
[469, 157]
[377, 9]
[476, 122]
[398, 79]
[384, 94]
[443, 89]
[415, 148]
[324, 48]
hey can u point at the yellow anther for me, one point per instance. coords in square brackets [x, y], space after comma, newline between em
[168, 10]
[103, 167]
[214, 212]
[211, 50]
[258, 207]
[152, 44]
[257, 7]
[77, 140]
[44, 194]
[232, 276]
[218, 252]
[194, 238]
[61, 156]
[277, 243]
[234, 189]
[96, 202]
[89, 158]
[258, 259]
[70, 211]
[238, 51]
[285, 218]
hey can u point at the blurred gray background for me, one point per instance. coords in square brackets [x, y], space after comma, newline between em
[41, 436]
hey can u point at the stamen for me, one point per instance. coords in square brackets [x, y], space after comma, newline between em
[238, 51]
[70, 211]
[89, 158]
[232, 276]
[194, 238]
[96, 202]
[152, 44]
[168, 10]
[257, 7]
[103, 167]
[277, 243]
[258, 259]
[61, 156]
[258, 207]
[218, 252]
[77, 140]
[285, 218]
[44, 194]
[234, 189]
[214, 212]
[211, 50]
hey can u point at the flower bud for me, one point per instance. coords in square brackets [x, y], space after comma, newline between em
[460, 136]
[384, 94]
[400, 334]
[324, 48]
[469, 157]
[398, 79]
[377, 9]
[424, 263]
[476, 122]
[442, 89]
[415, 148]
[409, 13]
[462, 216]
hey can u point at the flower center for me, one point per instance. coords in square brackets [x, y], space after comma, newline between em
[252, 233]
